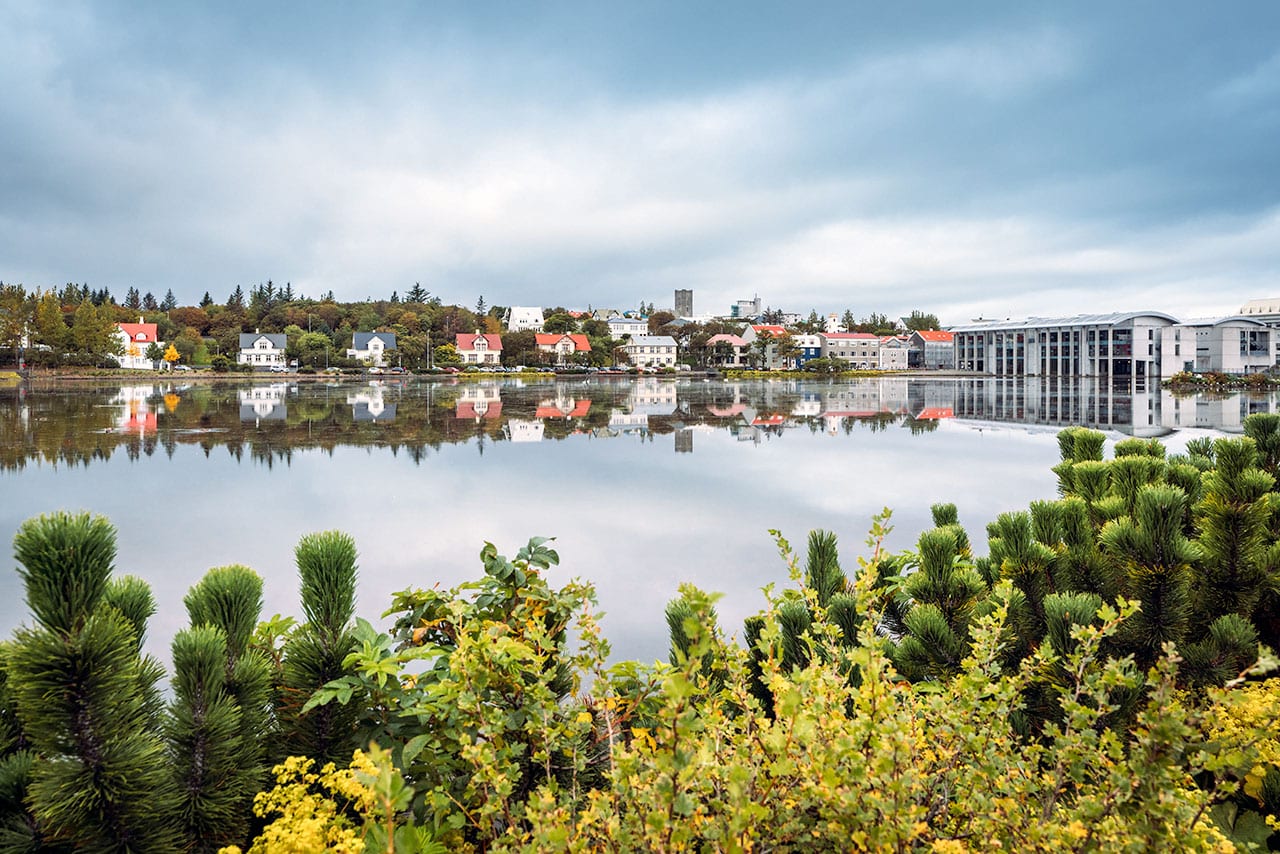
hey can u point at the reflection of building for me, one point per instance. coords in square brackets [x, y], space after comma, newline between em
[479, 400]
[563, 406]
[136, 413]
[1061, 402]
[367, 404]
[523, 430]
[263, 402]
[684, 441]
[648, 397]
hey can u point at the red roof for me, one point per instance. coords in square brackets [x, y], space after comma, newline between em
[467, 409]
[550, 339]
[143, 332]
[770, 329]
[580, 408]
[932, 413]
[936, 335]
[468, 342]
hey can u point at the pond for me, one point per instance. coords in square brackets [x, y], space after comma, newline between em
[644, 483]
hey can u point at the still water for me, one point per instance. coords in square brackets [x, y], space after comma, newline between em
[645, 483]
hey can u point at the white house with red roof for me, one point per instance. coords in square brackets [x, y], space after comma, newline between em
[478, 348]
[931, 349]
[135, 340]
[562, 346]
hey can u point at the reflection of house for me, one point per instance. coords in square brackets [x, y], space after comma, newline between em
[479, 400]
[1229, 345]
[136, 414]
[632, 326]
[651, 351]
[563, 407]
[562, 346]
[519, 318]
[367, 404]
[371, 347]
[521, 430]
[135, 339]
[263, 402]
[931, 349]
[478, 349]
[262, 350]
[648, 397]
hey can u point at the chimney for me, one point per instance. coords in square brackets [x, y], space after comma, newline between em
[139, 318]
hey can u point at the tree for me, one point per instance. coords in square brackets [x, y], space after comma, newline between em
[132, 299]
[50, 323]
[314, 348]
[93, 331]
[659, 319]
[85, 696]
[171, 354]
[417, 294]
[149, 302]
[14, 314]
[170, 301]
[481, 308]
[560, 324]
[154, 353]
[235, 302]
[206, 300]
[919, 321]
[847, 323]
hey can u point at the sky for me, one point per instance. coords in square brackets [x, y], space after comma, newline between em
[968, 160]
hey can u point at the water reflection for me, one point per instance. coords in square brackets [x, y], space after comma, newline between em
[269, 420]
[647, 483]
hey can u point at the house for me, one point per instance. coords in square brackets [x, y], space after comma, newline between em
[651, 351]
[726, 351]
[519, 318]
[931, 350]
[135, 339]
[370, 347]
[478, 348]
[562, 346]
[893, 354]
[620, 327]
[1227, 345]
[772, 360]
[807, 347]
[860, 349]
[1117, 345]
[262, 350]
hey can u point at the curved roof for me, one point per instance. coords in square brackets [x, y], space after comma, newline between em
[1111, 319]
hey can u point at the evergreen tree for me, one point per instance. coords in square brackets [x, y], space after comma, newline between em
[149, 302]
[170, 302]
[481, 308]
[206, 300]
[99, 782]
[132, 300]
[847, 323]
[417, 294]
[286, 295]
[236, 300]
[315, 652]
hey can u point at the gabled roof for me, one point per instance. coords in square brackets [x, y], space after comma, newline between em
[360, 340]
[936, 335]
[278, 339]
[723, 338]
[769, 329]
[467, 409]
[139, 331]
[467, 341]
[551, 339]
[550, 410]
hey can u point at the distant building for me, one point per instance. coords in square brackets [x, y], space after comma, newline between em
[651, 351]
[1227, 345]
[478, 348]
[1118, 345]
[371, 347]
[831, 323]
[893, 353]
[262, 350]
[684, 302]
[620, 326]
[745, 309]
[807, 347]
[1266, 310]
[562, 346]
[931, 349]
[519, 318]
[726, 351]
[860, 349]
[136, 339]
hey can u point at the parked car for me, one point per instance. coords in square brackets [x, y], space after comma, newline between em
[182, 367]
[278, 369]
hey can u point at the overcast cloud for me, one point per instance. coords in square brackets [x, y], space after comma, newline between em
[964, 160]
